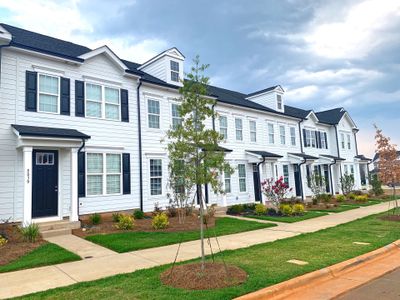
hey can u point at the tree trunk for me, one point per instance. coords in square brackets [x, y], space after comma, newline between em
[200, 199]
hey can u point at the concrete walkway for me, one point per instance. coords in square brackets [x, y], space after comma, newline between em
[39, 279]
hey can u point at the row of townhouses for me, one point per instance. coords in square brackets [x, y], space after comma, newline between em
[81, 131]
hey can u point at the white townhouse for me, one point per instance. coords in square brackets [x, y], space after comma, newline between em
[83, 131]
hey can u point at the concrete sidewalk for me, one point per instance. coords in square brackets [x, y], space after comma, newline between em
[39, 279]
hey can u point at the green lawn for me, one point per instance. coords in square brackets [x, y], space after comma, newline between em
[265, 264]
[340, 208]
[46, 254]
[293, 219]
[130, 241]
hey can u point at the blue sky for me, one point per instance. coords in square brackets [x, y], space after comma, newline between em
[325, 54]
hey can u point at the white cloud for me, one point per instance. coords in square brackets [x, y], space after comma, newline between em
[359, 33]
[62, 19]
[302, 93]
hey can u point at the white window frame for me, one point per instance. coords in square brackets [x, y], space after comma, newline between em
[239, 129]
[342, 140]
[103, 174]
[103, 101]
[253, 131]
[174, 71]
[58, 96]
[348, 141]
[279, 102]
[242, 178]
[271, 134]
[292, 136]
[223, 128]
[352, 170]
[286, 177]
[282, 135]
[323, 140]
[174, 117]
[227, 177]
[156, 177]
[148, 113]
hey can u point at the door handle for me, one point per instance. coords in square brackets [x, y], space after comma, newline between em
[56, 188]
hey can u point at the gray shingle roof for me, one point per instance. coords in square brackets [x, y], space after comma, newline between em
[263, 90]
[24, 130]
[265, 154]
[296, 112]
[331, 116]
[305, 156]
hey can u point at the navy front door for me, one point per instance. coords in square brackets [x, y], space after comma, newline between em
[297, 180]
[257, 183]
[44, 183]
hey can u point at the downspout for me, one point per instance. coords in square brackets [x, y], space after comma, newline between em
[258, 170]
[355, 140]
[330, 174]
[79, 151]
[301, 179]
[337, 146]
[139, 120]
[301, 138]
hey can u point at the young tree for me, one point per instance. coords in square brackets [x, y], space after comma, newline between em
[317, 184]
[275, 191]
[195, 145]
[388, 164]
[347, 183]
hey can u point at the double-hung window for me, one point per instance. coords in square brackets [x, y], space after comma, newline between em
[279, 101]
[153, 112]
[174, 71]
[293, 136]
[352, 170]
[103, 174]
[239, 129]
[348, 142]
[342, 140]
[271, 133]
[242, 177]
[176, 116]
[223, 126]
[49, 93]
[313, 139]
[253, 131]
[286, 174]
[323, 140]
[102, 102]
[282, 134]
[227, 181]
[155, 177]
[346, 169]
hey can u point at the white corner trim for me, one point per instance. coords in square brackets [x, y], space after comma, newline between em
[107, 51]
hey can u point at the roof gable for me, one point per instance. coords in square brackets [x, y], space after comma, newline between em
[172, 52]
[108, 53]
[276, 88]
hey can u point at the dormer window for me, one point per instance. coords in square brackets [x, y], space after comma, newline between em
[279, 101]
[174, 71]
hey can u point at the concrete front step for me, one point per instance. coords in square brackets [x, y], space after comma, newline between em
[55, 232]
[56, 228]
[220, 211]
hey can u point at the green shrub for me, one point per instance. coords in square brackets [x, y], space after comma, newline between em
[116, 217]
[3, 241]
[376, 185]
[172, 211]
[351, 196]
[298, 209]
[249, 206]
[235, 209]
[361, 198]
[95, 219]
[160, 221]
[260, 209]
[340, 198]
[326, 198]
[138, 214]
[357, 192]
[285, 209]
[125, 222]
[31, 232]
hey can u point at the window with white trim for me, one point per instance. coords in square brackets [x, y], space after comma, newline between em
[286, 174]
[253, 131]
[239, 129]
[155, 177]
[49, 93]
[223, 126]
[293, 136]
[352, 170]
[282, 134]
[174, 71]
[346, 169]
[153, 113]
[176, 116]
[348, 142]
[342, 140]
[271, 133]
[279, 101]
[102, 102]
[242, 177]
[227, 181]
[323, 140]
[103, 174]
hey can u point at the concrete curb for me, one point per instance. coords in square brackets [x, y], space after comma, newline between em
[284, 289]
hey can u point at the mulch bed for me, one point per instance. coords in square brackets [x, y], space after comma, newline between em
[143, 225]
[214, 276]
[394, 218]
[16, 246]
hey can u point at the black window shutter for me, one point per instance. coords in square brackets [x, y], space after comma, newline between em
[81, 175]
[318, 139]
[79, 98]
[126, 173]
[65, 96]
[326, 141]
[124, 106]
[304, 138]
[31, 91]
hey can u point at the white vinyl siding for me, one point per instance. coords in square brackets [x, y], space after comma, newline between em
[155, 177]
[242, 177]
[253, 131]
[49, 94]
[282, 134]
[102, 102]
[176, 117]
[223, 126]
[153, 112]
[239, 129]
[271, 133]
[293, 136]
[103, 174]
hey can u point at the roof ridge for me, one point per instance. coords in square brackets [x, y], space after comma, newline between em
[331, 109]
